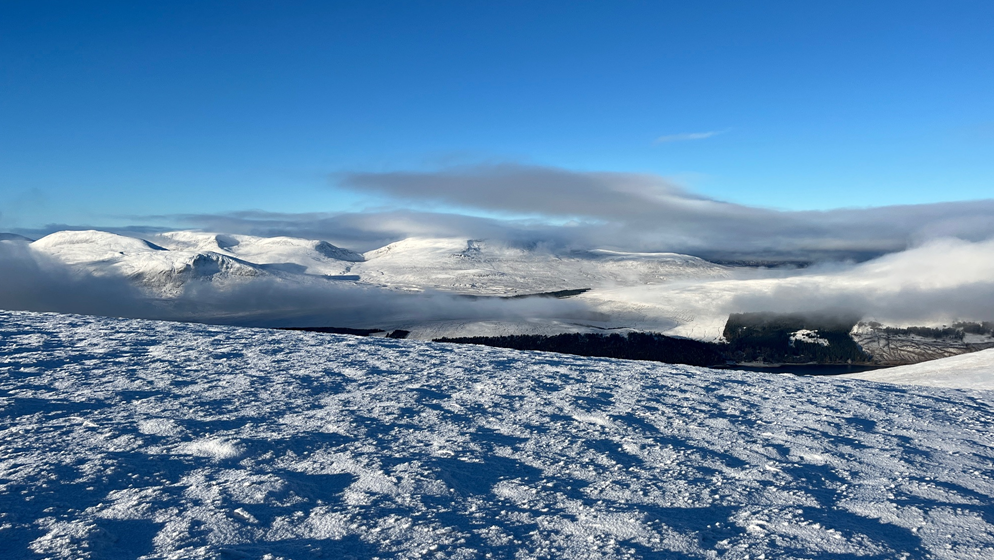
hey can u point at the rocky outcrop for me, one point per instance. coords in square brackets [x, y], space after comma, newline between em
[893, 347]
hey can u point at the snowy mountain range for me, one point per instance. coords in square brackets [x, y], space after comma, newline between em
[462, 266]
[416, 285]
[166, 265]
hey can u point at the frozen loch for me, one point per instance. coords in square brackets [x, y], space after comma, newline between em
[127, 439]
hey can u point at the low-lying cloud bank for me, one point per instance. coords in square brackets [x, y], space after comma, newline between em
[941, 281]
[31, 282]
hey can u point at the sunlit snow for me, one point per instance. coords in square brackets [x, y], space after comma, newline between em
[967, 371]
[129, 438]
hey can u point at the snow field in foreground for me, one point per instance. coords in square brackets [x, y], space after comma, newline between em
[966, 371]
[127, 438]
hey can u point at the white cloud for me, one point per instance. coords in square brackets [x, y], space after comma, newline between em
[688, 136]
[632, 211]
[624, 211]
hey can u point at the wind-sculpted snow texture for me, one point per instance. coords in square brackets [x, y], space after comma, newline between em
[127, 438]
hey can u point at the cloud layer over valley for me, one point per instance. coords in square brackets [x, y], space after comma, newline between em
[941, 281]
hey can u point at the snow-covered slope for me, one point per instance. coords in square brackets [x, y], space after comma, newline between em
[483, 268]
[474, 267]
[165, 267]
[126, 439]
[76, 247]
[155, 268]
[284, 253]
[968, 371]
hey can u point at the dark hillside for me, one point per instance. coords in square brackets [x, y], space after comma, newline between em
[766, 337]
[634, 346]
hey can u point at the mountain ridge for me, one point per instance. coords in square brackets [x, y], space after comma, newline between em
[609, 290]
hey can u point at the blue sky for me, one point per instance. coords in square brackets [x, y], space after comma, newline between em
[113, 111]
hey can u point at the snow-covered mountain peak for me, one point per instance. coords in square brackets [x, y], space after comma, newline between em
[438, 246]
[163, 271]
[312, 256]
[198, 241]
[474, 266]
[75, 247]
[180, 256]
[628, 255]
[101, 239]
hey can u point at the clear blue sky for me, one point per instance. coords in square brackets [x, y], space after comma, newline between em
[110, 110]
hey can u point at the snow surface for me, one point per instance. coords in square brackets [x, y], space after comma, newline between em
[967, 371]
[130, 438]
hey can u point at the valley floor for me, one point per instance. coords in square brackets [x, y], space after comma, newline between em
[129, 438]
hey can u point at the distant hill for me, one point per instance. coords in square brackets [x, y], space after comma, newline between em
[14, 237]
